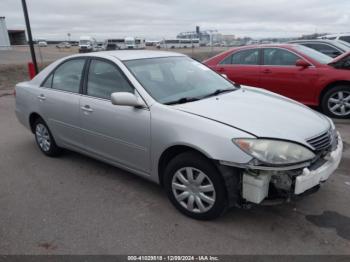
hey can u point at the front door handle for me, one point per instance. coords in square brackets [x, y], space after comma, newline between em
[221, 69]
[86, 108]
[41, 97]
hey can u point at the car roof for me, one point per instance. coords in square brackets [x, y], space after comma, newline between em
[336, 43]
[284, 45]
[314, 40]
[134, 54]
[336, 35]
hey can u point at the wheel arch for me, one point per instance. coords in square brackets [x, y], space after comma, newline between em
[172, 152]
[32, 118]
[331, 85]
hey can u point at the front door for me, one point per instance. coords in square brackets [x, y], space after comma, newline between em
[280, 74]
[116, 133]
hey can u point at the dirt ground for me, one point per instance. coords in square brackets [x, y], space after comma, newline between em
[13, 63]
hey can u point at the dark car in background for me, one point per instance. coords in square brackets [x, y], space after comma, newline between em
[332, 48]
[292, 70]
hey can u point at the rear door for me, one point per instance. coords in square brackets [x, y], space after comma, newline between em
[242, 67]
[280, 74]
[116, 133]
[59, 101]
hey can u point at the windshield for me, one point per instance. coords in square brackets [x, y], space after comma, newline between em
[343, 43]
[169, 79]
[315, 55]
[84, 42]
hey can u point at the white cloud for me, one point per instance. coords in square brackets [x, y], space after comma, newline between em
[159, 18]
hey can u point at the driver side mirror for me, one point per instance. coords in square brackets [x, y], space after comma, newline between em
[302, 63]
[126, 99]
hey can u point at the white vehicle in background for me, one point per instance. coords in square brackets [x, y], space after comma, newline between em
[179, 43]
[130, 43]
[343, 37]
[119, 43]
[189, 43]
[87, 44]
[134, 43]
[42, 43]
[63, 45]
[140, 43]
[115, 43]
[100, 46]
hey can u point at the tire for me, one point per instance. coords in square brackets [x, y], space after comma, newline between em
[206, 181]
[44, 139]
[336, 102]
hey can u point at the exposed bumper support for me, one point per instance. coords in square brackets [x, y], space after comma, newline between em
[255, 185]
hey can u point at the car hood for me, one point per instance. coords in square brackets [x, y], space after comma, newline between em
[341, 62]
[261, 113]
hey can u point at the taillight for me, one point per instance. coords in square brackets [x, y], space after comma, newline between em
[14, 92]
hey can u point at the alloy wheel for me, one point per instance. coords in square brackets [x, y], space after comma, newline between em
[43, 137]
[339, 103]
[193, 190]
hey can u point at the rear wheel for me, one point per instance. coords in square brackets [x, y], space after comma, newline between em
[336, 102]
[195, 187]
[44, 139]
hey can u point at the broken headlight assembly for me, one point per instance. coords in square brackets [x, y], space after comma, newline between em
[274, 152]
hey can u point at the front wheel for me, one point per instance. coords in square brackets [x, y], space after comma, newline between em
[336, 102]
[195, 187]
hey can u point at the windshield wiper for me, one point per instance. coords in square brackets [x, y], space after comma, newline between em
[218, 92]
[182, 100]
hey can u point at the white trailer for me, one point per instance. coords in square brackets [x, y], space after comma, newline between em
[140, 43]
[115, 43]
[179, 43]
[4, 36]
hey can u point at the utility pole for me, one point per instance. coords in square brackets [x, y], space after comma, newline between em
[30, 39]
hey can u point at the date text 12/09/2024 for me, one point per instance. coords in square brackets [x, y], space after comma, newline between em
[173, 258]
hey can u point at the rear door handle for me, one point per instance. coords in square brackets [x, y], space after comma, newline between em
[87, 108]
[221, 69]
[41, 97]
[267, 71]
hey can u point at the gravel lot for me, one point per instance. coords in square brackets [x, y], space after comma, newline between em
[13, 63]
[76, 205]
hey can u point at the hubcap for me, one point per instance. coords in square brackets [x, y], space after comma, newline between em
[339, 103]
[43, 137]
[193, 190]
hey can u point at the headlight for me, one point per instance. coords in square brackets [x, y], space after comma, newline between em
[274, 151]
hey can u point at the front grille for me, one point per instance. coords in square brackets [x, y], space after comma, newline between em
[321, 142]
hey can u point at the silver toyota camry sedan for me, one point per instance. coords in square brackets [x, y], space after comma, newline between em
[210, 143]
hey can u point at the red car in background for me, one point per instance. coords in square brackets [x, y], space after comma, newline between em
[294, 71]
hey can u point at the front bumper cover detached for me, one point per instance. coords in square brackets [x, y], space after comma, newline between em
[256, 185]
[309, 179]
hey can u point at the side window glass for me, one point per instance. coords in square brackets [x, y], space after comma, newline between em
[68, 75]
[227, 60]
[247, 57]
[48, 82]
[104, 79]
[279, 57]
[325, 49]
[345, 38]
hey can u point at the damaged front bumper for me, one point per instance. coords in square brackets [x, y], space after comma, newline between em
[259, 184]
